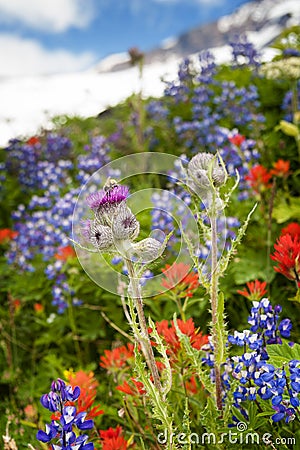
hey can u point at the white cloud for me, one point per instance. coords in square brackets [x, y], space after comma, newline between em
[49, 15]
[27, 57]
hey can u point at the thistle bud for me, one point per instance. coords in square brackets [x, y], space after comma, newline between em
[101, 237]
[124, 224]
[218, 176]
[200, 161]
[199, 168]
[147, 250]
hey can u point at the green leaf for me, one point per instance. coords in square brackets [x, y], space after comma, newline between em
[282, 353]
[210, 417]
[286, 210]
[251, 265]
[296, 298]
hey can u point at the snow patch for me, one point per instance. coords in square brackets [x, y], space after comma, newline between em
[263, 37]
[107, 64]
[169, 43]
[288, 6]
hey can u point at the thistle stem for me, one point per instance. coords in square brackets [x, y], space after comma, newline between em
[146, 344]
[214, 308]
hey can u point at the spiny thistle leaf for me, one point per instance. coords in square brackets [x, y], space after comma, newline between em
[202, 278]
[194, 356]
[82, 247]
[167, 385]
[186, 429]
[224, 261]
[160, 408]
[228, 194]
[209, 417]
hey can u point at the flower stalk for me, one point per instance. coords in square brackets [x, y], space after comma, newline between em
[146, 344]
[214, 309]
[207, 174]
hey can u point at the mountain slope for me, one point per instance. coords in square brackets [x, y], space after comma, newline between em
[261, 20]
[30, 102]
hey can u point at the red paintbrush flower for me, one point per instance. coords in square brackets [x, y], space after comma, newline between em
[16, 304]
[33, 140]
[179, 279]
[191, 385]
[256, 290]
[293, 229]
[117, 358]
[112, 439]
[197, 339]
[88, 392]
[237, 140]
[281, 169]
[38, 308]
[137, 388]
[65, 253]
[259, 178]
[287, 254]
[6, 234]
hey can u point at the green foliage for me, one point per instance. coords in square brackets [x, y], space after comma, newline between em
[280, 355]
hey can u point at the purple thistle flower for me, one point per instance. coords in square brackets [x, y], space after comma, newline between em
[110, 197]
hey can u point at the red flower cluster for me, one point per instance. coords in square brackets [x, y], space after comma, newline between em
[6, 234]
[293, 229]
[287, 254]
[281, 169]
[197, 339]
[38, 308]
[112, 439]
[179, 279]
[65, 253]
[16, 304]
[237, 140]
[117, 358]
[136, 388]
[191, 385]
[256, 290]
[88, 392]
[33, 140]
[259, 177]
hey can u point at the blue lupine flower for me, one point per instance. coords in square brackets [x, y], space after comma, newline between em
[280, 414]
[244, 52]
[44, 167]
[258, 378]
[283, 413]
[285, 327]
[62, 430]
[50, 433]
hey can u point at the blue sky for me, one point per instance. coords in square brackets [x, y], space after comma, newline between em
[51, 36]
